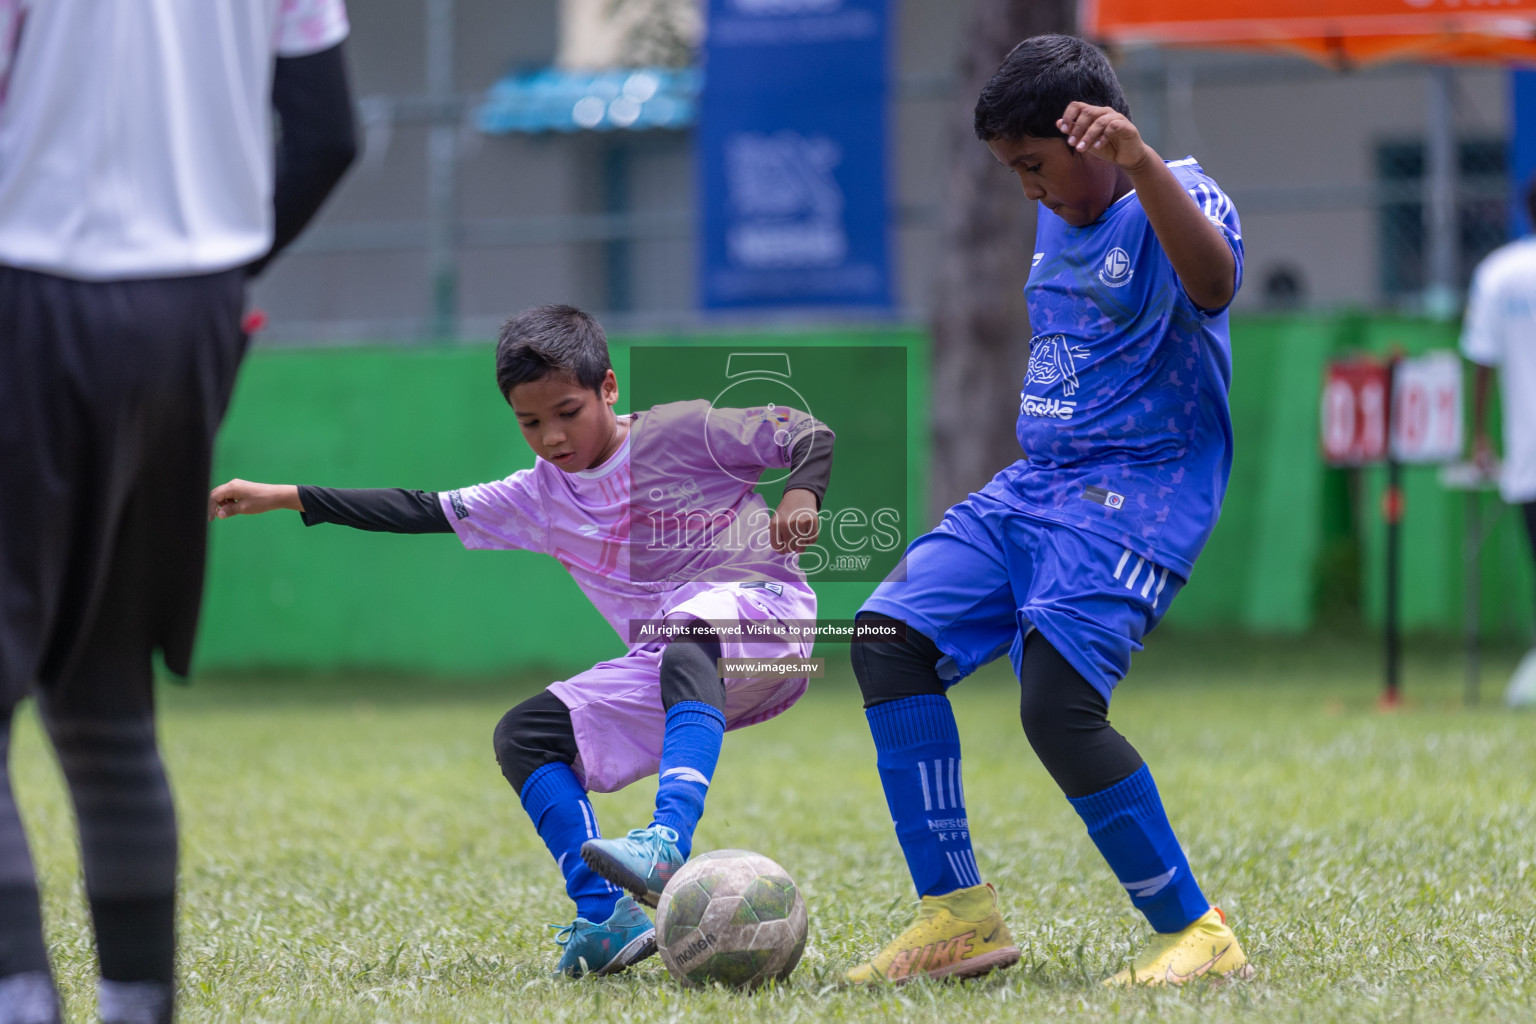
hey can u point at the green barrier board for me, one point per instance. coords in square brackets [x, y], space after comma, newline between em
[1298, 546]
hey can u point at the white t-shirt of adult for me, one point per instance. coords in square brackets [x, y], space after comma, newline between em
[136, 135]
[1500, 331]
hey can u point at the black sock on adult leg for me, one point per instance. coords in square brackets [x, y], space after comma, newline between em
[21, 931]
[128, 850]
[21, 920]
[135, 937]
[27, 995]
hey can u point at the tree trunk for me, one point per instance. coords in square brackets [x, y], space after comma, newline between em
[979, 322]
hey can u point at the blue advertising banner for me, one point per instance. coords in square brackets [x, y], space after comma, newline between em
[1522, 147]
[791, 150]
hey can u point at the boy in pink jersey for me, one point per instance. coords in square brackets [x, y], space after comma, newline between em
[655, 516]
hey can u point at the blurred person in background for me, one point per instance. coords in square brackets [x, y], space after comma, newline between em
[1499, 334]
[140, 189]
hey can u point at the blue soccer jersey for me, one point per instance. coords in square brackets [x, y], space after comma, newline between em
[1123, 417]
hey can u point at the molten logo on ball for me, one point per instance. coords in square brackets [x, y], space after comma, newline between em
[732, 917]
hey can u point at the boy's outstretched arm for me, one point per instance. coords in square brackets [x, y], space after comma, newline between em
[380, 510]
[244, 498]
[1196, 247]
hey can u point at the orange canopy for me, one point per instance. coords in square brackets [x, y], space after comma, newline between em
[1334, 31]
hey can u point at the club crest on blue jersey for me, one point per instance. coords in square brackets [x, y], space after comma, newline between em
[1117, 268]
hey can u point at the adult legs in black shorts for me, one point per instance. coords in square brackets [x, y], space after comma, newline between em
[112, 393]
[1528, 510]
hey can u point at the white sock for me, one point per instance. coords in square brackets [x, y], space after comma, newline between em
[29, 998]
[134, 1002]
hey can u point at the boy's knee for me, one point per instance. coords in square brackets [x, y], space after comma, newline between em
[535, 733]
[690, 671]
[892, 670]
[1056, 702]
[1047, 719]
[1066, 720]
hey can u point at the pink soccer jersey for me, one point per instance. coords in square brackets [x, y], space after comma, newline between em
[668, 527]
[673, 510]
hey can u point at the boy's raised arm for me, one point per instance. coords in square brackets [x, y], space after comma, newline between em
[1196, 247]
[796, 525]
[811, 459]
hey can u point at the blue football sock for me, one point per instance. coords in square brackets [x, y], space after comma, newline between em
[690, 749]
[919, 761]
[563, 816]
[1128, 825]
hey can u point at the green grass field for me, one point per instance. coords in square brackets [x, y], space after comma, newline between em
[351, 852]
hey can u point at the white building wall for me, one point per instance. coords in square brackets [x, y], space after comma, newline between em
[1294, 145]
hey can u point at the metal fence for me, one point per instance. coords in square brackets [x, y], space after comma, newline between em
[1433, 197]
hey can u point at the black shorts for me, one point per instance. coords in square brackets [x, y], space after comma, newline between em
[110, 396]
[1528, 510]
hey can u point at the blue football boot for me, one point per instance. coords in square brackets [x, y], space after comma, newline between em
[643, 862]
[626, 938]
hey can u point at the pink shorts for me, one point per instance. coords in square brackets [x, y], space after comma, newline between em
[616, 707]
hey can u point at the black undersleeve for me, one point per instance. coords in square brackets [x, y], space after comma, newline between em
[811, 457]
[378, 509]
[317, 140]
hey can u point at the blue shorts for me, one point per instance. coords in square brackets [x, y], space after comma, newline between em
[990, 573]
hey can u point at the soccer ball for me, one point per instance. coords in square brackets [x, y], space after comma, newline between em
[732, 917]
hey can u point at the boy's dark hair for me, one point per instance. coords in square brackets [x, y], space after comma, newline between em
[551, 340]
[1037, 80]
[1530, 200]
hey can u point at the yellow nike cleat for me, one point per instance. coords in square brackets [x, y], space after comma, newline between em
[1206, 949]
[959, 935]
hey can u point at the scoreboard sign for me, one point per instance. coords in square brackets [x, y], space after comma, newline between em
[1426, 408]
[1354, 414]
[1414, 405]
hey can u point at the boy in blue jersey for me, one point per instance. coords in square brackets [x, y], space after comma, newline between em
[1070, 556]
